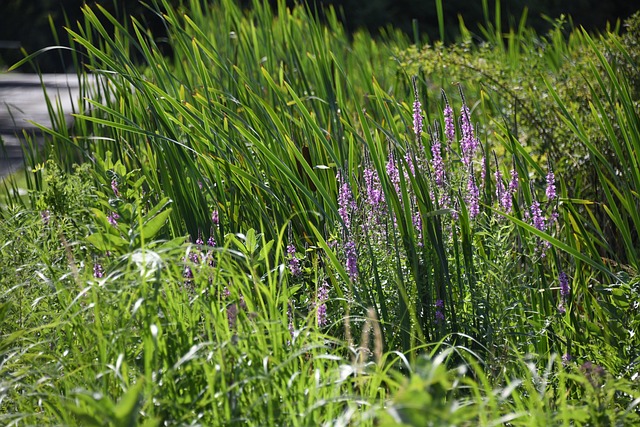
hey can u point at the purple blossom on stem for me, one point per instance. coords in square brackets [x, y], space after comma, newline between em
[375, 195]
[473, 196]
[551, 185]
[211, 241]
[46, 216]
[187, 273]
[564, 284]
[436, 161]
[417, 110]
[114, 187]
[199, 240]
[449, 126]
[468, 142]
[346, 203]
[417, 223]
[214, 217]
[513, 184]
[394, 174]
[351, 260]
[194, 257]
[294, 262]
[566, 358]
[321, 299]
[98, 272]
[417, 118]
[537, 218]
[113, 218]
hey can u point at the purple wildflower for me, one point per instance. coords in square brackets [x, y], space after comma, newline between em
[46, 216]
[214, 217]
[537, 218]
[417, 118]
[346, 203]
[449, 126]
[351, 260]
[98, 272]
[113, 218]
[187, 273]
[473, 197]
[321, 299]
[566, 358]
[114, 187]
[394, 174]
[437, 162]
[417, 111]
[513, 184]
[294, 262]
[211, 241]
[561, 308]
[468, 143]
[375, 195]
[194, 257]
[564, 284]
[551, 186]
[199, 240]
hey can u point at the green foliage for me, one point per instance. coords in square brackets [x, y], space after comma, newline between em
[297, 155]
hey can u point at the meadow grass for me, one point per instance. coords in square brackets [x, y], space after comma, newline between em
[284, 224]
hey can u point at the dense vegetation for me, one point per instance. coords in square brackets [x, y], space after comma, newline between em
[283, 224]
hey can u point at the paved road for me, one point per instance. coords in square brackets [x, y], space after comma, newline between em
[22, 100]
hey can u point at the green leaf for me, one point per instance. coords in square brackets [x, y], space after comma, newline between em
[152, 226]
[126, 411]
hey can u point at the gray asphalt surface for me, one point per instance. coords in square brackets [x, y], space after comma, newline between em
[22, 101]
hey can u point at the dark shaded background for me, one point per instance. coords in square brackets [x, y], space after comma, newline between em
[25, 23]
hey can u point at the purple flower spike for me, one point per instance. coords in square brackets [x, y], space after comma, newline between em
[551, 186]
[98, 272]
[417, 110]
[294, 262]
[211, 241]
[113, 219]
[351, 260]
[468, 144]
[473, 197]
[537, 218]
[394, 174]
[449, 126]
[322, 297]
[114, 187]
[564, 284]
[513, 184]
[375, 195]
[214, 217]
[436, 161]
[346, 204]
[417, 118]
